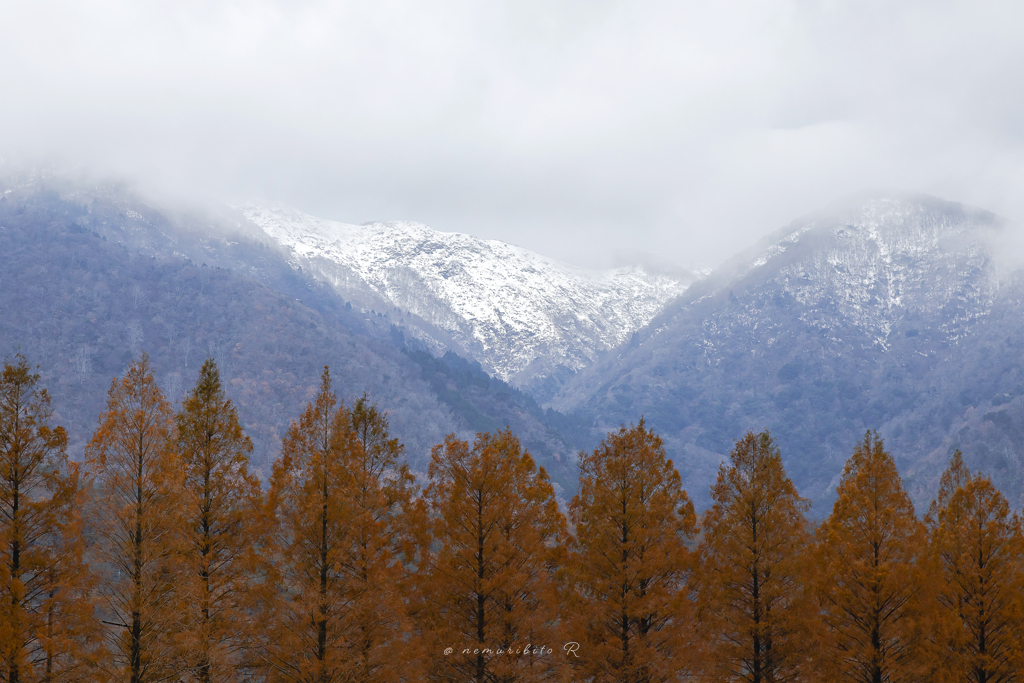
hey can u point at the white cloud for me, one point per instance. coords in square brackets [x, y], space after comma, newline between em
[577, 128]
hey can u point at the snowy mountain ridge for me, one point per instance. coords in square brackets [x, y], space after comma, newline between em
[897, 312]
[891, 256]
[523, 316]
[865, 268]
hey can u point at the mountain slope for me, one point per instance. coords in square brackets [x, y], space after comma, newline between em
[93, 277]
[868, 315]
[527, 319]
[898, 313]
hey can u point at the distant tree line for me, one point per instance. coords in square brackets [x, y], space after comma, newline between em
[160, 557]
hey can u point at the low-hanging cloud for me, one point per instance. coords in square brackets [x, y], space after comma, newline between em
[584, 129]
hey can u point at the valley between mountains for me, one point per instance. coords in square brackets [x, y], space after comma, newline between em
[527, 319]
[900, 313]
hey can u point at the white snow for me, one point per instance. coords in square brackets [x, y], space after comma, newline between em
[888, 259]
[506, 306]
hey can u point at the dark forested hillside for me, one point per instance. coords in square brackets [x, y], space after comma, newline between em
[92, 278]
[489, 405]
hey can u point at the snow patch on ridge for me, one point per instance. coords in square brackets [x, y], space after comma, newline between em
[517, 312]
[869, 268]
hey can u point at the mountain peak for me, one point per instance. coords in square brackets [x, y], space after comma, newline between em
[843, 320]
[524, 316]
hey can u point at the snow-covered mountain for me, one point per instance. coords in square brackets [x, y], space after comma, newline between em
[885, 312]
[866, 265]
[95, 276]
[524, 317]
[899, 313]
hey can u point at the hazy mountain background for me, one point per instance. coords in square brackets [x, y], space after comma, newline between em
[889, 312]
[92, 277]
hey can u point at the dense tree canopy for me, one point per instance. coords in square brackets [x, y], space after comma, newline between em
[629, 570]
[755, 614]
[872, 569]
[166, 559]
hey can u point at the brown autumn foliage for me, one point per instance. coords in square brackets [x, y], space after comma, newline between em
[136, 479]
[380, 489]
[976, 543]
[222, 526]
[307, 605]
[45, 609]
[755, 613]
[629, 570]
[489, 538]
[333, 599]
[342, 574]
[871, 563]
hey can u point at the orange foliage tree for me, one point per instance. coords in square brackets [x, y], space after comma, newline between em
[490, 539]
[137, 482]
[755, 612]
[871, 562]
[221, 511]
[976, 543]
[630, 568]
[335, 614]
[45, 610]
[379, 492]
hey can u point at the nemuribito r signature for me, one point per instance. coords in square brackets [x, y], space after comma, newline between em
[570, 648]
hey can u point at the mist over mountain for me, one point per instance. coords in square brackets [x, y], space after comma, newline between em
[901, 313]
[527, 319]
[93, 276]
[882, 312]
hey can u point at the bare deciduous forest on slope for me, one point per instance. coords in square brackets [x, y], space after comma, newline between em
[90, 281]
[892, 313]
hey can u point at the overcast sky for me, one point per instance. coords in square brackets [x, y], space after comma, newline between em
[590, 130]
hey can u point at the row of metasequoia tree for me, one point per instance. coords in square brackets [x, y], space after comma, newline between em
[160, 557]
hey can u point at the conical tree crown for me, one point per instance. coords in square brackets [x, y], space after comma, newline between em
[976, 544]
[380, 451]
[308, 600]
[45, 629]
[491, 529]
[379, 493]
[630, 568]
[871, 554]
[954, 477]
[321, 432]
[755, 613]
[222, 504]
[137, 479]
